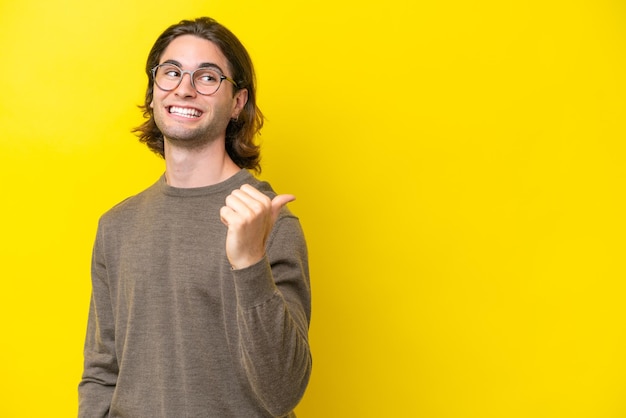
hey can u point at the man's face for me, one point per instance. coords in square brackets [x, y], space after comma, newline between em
[187, 118]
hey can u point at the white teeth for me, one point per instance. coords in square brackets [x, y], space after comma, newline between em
[186, 112]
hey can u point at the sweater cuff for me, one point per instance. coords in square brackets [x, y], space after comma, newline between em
[254, 284]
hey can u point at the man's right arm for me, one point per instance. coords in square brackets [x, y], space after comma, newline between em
[96, 388]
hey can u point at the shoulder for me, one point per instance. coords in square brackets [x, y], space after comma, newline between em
[130, 207]
[245, 177]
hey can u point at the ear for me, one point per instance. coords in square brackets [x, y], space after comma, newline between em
[239, 101]
[152, 104]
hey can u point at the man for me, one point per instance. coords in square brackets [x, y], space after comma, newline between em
[200, 301]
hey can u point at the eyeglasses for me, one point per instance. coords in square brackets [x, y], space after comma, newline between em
[206, 81]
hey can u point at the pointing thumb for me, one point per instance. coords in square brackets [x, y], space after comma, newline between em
[278, 202]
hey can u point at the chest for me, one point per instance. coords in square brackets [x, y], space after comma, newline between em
[174, 257]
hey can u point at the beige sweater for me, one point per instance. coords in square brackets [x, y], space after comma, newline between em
[174, 332]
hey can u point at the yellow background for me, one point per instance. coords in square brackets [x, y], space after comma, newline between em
[459, 167]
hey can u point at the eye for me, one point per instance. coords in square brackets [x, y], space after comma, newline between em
[207, 77]
[170, 71]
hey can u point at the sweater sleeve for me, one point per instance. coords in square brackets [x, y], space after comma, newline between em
[96, 388]
[273, 316]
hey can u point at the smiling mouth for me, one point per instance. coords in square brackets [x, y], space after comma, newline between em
[185, 112]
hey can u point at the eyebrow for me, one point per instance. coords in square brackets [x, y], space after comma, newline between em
[202, 65]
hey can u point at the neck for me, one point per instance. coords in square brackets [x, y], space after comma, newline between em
[186, 168]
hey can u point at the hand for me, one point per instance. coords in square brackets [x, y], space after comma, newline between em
[250, 216]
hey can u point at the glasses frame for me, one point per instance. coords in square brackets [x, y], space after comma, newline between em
[191, 78]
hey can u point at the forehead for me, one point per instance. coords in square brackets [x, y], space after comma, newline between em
[192, 52]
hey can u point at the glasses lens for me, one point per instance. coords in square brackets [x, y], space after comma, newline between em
[206, 81]
[167, 76]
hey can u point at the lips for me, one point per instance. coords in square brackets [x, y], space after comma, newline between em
[186, 112]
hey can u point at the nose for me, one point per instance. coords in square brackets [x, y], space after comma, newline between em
[186, 88]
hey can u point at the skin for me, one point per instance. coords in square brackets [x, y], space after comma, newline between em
[195, 152]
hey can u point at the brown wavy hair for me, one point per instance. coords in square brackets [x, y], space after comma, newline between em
[240, 133]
